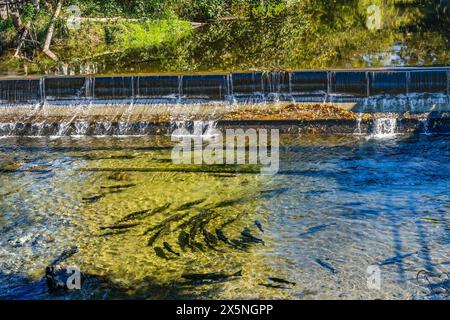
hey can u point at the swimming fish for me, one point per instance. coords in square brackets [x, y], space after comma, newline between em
[189, 205]
[170, 249]
[326, 265]
[122, 186]
[198, 246]
[144, 213]
[166, 223]
[160, 232]
[315, 229]
[222, 236]
[272, 193]
[210, 239]
[274, 286]
[259, 225]
[279, 280]
[120, 226]
[93, 198]
[247, 236]
[183, 240]
[66, 254]
[160, 253]
[211, 276]
[113, 233]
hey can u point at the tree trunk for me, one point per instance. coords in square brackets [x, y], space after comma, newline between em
[3, 13]
[17, 21]
[23, 37]
[51, 29]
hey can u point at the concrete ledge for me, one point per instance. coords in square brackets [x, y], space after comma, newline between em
[268, 86]
[100, 128]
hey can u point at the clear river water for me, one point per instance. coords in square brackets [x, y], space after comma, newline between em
[340, 206]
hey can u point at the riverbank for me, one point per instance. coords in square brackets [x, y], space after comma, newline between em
[117, 37]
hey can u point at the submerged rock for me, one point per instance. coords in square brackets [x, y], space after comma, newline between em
[61, 277]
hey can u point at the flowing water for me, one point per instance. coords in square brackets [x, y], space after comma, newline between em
[339, 205]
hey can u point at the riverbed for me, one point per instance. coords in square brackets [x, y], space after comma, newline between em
[340, 206]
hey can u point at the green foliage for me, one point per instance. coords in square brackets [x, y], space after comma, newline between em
[7, 33]
[154, 35]
[146, 33]
[125, 8]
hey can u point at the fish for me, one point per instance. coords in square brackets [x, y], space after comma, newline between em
[273, 286]
[259, 225]
[118, 157]
[230, 221]
[189, 205]
[113, 233]
[227, 203]
[222, 237]
[272, 193]
[66, 254]
[239, 244]
[169, 248]
[194, 229]
[397, 258]
[166, 222]
[210, 239]
[160, 253]
[122, 186]
[326, 265]
[212, 277]
[183, 240]
[93, 198]
[143, 213]
[315, 229]
[247, 236]
[279, 280]
[197, 246]
[120, 226]
[219, 175]
[192, 220]
[159, 233]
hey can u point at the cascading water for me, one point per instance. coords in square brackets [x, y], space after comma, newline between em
[204, 129]
[384, 128]
[122, 105]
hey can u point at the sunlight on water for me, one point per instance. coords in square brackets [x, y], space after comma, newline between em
[146, 228]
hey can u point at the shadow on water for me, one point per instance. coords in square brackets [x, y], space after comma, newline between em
[94, 287]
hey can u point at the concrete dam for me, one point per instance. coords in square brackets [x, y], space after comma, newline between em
[144, 104]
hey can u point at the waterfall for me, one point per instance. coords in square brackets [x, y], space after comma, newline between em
[384, 128]
[358, 123]
[204, 129]
[123, 105]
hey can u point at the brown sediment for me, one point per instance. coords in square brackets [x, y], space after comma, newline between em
[163, 114]
[293, 112]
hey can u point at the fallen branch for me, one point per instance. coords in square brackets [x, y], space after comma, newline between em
[51, 29]
[23, 37]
